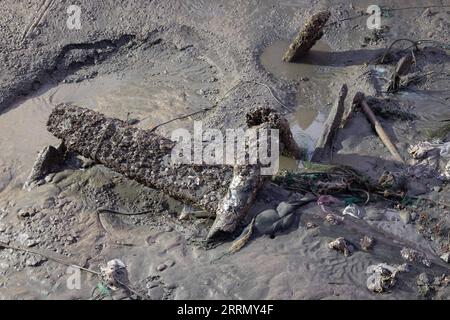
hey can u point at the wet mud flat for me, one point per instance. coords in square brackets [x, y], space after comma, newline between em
[166, 65]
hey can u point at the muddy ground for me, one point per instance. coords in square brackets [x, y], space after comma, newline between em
[154, 60]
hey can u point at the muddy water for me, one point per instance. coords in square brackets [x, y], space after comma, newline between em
[315, 77]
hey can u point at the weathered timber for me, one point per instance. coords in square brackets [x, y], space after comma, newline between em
[266, 116]
[360, 100]
[145, 156]
[323, 148]
[307, 37]
[138, 154]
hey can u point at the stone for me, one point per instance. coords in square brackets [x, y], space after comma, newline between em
[446, 257]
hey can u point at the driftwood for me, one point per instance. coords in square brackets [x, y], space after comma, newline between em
[145, 156]
[307, 37]
[360, 100]
[323, 148]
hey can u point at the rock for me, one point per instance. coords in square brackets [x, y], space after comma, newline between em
[367, 243]
[340, 245]
[161, 267]
[446, 257]
[382, 277]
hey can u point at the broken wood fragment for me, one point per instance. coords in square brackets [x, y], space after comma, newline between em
[360, 100]
[265, 115]
[307, 37]
[323, 148]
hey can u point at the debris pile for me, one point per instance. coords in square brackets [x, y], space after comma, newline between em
[382, 277]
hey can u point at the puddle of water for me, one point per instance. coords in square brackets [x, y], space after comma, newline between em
[313, 94]
[308, 67]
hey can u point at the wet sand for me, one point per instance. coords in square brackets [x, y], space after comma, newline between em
[185, 56]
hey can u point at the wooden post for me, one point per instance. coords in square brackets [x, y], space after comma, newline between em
[324, 145]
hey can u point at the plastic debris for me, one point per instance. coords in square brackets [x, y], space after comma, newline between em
[353, 210]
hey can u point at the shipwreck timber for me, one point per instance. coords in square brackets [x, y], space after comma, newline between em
[145, 156]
